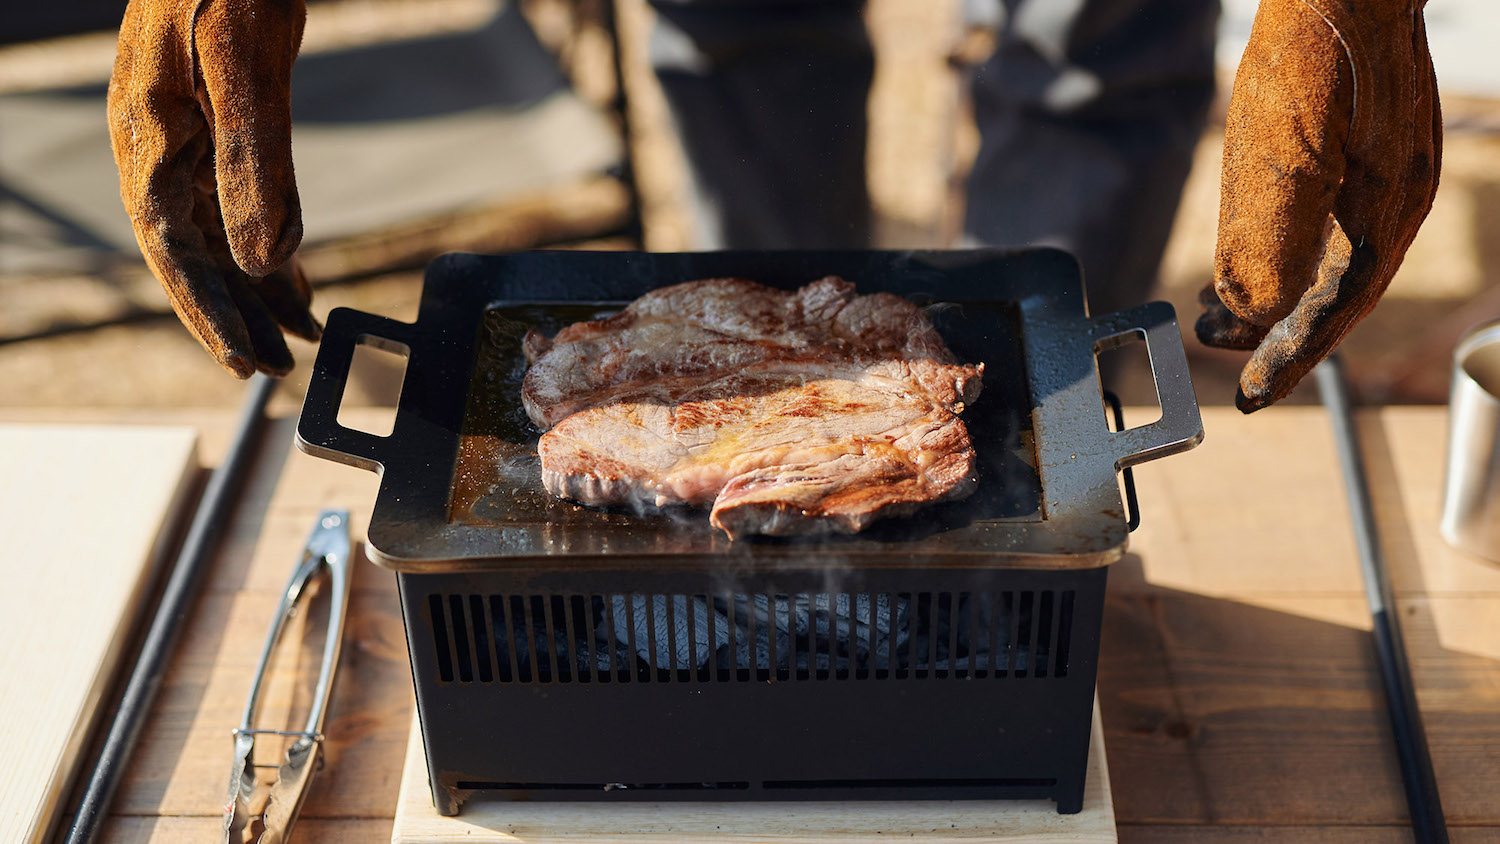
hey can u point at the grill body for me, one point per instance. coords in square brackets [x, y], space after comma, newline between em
[569, 653]
[982, 689]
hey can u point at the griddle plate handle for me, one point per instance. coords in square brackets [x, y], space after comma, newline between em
[318, 430]
[1180, 426]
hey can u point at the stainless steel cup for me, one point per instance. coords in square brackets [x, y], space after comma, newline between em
[1471, 491]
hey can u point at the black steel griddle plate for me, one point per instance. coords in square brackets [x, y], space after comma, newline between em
[1048, 495]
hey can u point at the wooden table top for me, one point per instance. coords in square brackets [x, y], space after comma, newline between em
[1237, 681]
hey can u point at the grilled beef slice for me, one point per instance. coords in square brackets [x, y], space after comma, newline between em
[804, 412]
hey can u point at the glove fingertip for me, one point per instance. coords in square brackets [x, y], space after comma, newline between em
[1204, 328]
[258, 253]
[306, 327]
[273, 357]
[213, 319]
[279, 369]
[316, 332]
[240, 365]
[1219, 328]
[1208, 297]
[286, 295]
[1249, 404]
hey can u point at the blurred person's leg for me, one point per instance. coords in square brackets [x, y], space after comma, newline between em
[769, 100]
[1088, 113]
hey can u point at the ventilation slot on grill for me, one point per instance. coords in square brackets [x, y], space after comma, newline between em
[698, 638]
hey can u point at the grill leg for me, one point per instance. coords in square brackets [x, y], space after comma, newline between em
[446, 801]
[1069, 796]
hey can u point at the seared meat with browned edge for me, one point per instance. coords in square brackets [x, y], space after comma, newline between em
[804, 412]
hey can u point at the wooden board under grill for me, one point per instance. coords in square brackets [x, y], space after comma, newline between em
[924, 821]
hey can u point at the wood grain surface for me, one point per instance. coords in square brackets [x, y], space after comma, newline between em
[86, 515]
[1238, 690]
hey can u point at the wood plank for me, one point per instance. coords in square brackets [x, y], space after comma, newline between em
[1257, 508]
[1454, 646]
[930, 821]
[1405, 450]
[1223, 711]
[1231, 697]
[1238, 714]
[197, 830]
[87, 513]
[282, 497]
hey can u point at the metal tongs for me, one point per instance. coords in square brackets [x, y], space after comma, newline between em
[327, 547]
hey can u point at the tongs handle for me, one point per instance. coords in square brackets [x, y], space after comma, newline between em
[327, 547]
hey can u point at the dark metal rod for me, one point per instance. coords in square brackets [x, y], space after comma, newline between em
[1417, 776]
[176, 600]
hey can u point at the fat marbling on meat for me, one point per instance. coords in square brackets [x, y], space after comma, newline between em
[803, 412]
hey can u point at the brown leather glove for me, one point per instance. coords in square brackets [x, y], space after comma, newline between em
[200, 121]
[1331, 158]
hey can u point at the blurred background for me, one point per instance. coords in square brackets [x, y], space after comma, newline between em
[426, 126]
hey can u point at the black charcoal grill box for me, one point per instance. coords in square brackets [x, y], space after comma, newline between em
[567, 653]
